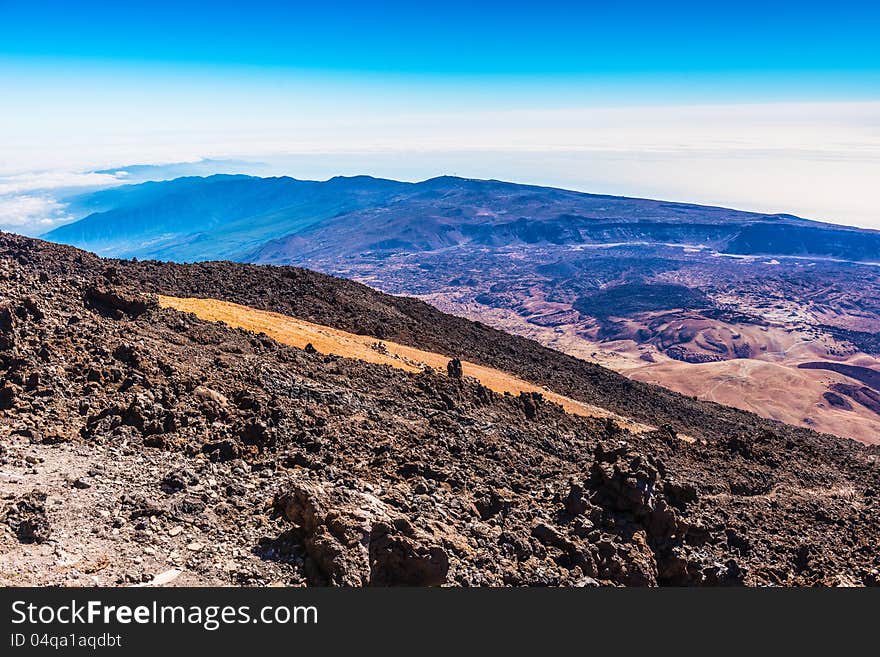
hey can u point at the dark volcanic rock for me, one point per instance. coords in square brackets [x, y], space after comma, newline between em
[453, 368]
[7, 397]
[354, 539]
[27, 518]
[178, 479]
[837, 401]
[386, 477]
[117, 303]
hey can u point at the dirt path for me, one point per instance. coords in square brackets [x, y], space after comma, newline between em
[91, 492]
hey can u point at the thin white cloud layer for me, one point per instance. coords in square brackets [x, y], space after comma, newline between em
[817, 160]
[31, 215]
[32, 203]
[53, 180]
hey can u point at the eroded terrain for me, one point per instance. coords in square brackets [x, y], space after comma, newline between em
[731, 330]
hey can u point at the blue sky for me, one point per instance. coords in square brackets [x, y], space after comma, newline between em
[769, 106]
[458, 38]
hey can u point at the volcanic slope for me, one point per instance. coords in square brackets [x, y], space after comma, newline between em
[327, 340]
[356, 308]
[143, 444]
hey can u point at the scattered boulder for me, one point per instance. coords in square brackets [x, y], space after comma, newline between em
[399, 557]
[206, 394]
[494, 502]
[8, 394]
[31, 309]
[27, 519]
[118, 302]
[576, 502]
[531, 402]
[454, 369]
[178, 479]
[222, 450]
[128, 354]
[7, 326]
[577, 552]
[355, 539]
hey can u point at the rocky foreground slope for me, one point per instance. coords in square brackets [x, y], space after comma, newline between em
[137, 442]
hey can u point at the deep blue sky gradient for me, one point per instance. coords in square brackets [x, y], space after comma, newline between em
[458, 38]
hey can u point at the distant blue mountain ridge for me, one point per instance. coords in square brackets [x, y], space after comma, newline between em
[283, 220]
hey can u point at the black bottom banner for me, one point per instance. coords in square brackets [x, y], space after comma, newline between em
[132, 621]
